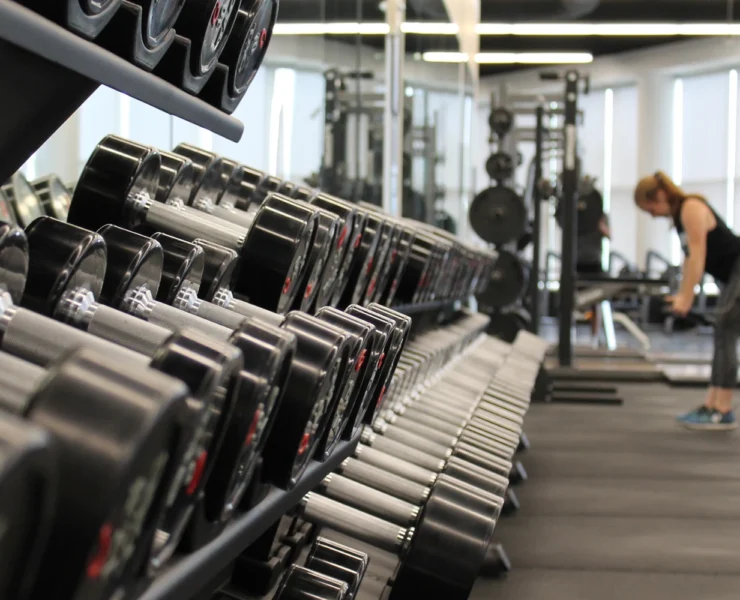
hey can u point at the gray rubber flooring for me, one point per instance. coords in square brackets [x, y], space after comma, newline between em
[622, 503]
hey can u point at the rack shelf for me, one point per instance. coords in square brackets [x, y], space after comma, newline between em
[189, 574]
[48, 72]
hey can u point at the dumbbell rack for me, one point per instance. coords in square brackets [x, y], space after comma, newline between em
[48, 72]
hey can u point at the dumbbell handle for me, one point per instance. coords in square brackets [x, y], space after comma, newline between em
[366, 528]
[411, 439]
[19, 380]
[402, 451]
[379, 479]
[225, 299]
[43, 341]
[369, 500]
[392, 464]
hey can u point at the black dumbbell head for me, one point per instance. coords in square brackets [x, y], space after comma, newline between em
[220, 267]
[208, 170]
[54, 196]
[182, 268]
[62, 257]
[13, 261]
[176, 178]
[119, 173]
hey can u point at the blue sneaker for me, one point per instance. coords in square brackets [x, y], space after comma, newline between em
[694, 414]
[710, 420]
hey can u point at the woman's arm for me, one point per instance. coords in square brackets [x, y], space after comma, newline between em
[604, 228]
[695, 220]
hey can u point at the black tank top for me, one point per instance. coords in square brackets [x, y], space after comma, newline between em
[723, 247]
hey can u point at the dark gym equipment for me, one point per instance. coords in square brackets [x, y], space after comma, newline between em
[300, 583]
[28, 490]
[118, 186]
[25, 203]
[498, 215]
[508, 281]
[589, 208]
[85, 17]
[98, 540]
[158, 18]
[339, 562]
[54, 196]
[506, 324]
[207, 24]
[500, 166]
[442, 554]
[501, 120]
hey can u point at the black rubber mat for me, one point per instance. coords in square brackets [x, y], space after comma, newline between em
[541, 584]
[662, 545]
[629, 497]
[599, 464]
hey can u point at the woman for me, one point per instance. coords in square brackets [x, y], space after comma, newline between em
[709, 245]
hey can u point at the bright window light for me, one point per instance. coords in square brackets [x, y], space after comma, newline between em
[124, 123]
[534, 58]
[608, 166]
[608, 29]
[731, 148]
[430, 28]
[331, 29]
[445, 57]
[281, 121]
[677, 157]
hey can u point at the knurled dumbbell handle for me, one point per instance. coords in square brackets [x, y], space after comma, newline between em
[127, 331]
[383, 481]
[404, 452]
[392, 464]
[366, 528]
[369, 500]
[174, 319]
[416, 441]
[19, 380]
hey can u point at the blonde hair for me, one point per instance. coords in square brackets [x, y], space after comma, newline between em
[648, 187]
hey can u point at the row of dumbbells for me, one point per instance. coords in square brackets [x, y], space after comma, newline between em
[210, 48]
[270, 242]
[463, 397]
[144, 428]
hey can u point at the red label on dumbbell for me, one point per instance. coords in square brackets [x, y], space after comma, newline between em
[370, 265]
[263, 38]
[357, 241]
[380, 398]
[96, 564]
[216, 13]
[342, 237]
[380, 360]
[304, 443]
[360, 360]
[200, 467]
[309, 290]
[253, 427]
[287, 284]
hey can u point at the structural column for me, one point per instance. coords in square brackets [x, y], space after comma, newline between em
[655, 126]
[394, 104]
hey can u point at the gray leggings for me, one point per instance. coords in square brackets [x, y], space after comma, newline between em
[726, 332]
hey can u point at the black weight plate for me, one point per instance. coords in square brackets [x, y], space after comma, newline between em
[500, 166]
[13, 261]
[408, 237]
[498, 215]
[328, 260]
[506, 325]
[23, 199]
[448, 547]
[158, 19]
[95, 547]
[54, 196]
[364, 257]
[182, 268]
[208, 173]
[176, 178]
[501, 120]
[235, 187]
[309, 391]
[28, 480]
[414, 277]
[248, 43]
[300, 583]
[6, 210]
[95, 7]
[508, 280]
[590, 210]
[62, 257]
[220, 268]
[118, 171]
[207, 24]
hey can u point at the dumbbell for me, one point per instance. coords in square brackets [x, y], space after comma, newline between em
[301, 583]
[85, 17]
[322, 350]
[24, 202]
[118, 186]
[338, 561]
[54, 196]
[387, 294]
[207, 24]
[413, 284]
[28, 490]
[116, 428]
[158, 19]
[206, 183]
[441, 555]
[210, 369]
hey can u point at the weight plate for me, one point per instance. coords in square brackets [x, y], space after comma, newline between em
[207, 24]
[506, 325]
[158, 19]
[498, 215]
[13, 261]
[508, 280]
[500, 166]
[54, 196]
[408, 237]
[414, 278]
[6, 210]
[325, 247]
[182, 268]
[363, 259]
[248, 43]
[119, 175]
[501, 120]
[95, 7]
[28, 481]
[208, 174]
[590, 210]
[62, 257]
[268, 185]
[176, 178]
[220, 269]
[23, 199]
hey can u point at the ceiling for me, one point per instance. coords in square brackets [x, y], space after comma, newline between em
[512, 11]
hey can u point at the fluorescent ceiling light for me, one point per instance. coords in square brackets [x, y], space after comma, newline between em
[331, 29]
[608, 29]
[533, 58]
[511, 58]
[445, 57]
[430, 28]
